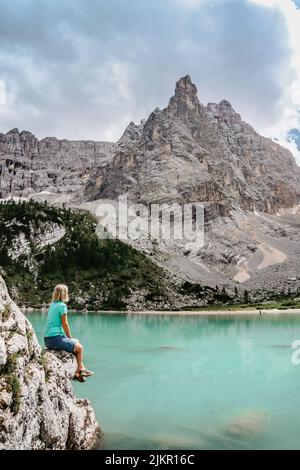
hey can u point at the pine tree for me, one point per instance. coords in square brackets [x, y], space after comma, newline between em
[246, 297]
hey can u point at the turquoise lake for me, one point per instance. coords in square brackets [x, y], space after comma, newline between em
[190, 382]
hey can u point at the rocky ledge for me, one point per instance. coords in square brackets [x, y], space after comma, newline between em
[38, 408]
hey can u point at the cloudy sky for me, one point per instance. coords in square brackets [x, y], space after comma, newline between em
[83, 69]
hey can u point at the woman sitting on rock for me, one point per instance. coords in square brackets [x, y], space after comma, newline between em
[58, 335]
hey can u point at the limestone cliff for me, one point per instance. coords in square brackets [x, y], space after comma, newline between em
[191, 152]
[38, 408]
[29, 166]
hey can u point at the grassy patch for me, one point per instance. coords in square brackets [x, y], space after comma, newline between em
[13, 382]
[6, 312]
[16, 392]
[29, 334]
[43, 363]
[280, 305]
[11, 363]
[42, 360]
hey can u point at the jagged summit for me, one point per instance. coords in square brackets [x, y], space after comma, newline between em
[225, 104]
[225, 113]
[185, 98]
[185, 86]
[189, 152]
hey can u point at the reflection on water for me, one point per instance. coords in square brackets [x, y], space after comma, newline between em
[189, 382]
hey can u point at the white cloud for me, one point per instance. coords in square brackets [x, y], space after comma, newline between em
[100, 68]
[2, 93]
[191, 4]
[290, 100]
[123, 76]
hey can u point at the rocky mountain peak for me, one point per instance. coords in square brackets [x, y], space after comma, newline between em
[131, 131]
[13, 131]
[227, 113]
[226, 105]
[223, 112]
[192, 152]
[185, 85]
[185, 99]
[131, 135]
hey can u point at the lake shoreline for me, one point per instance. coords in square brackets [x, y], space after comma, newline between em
[217, 313]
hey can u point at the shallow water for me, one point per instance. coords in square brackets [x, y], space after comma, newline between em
[176, 382]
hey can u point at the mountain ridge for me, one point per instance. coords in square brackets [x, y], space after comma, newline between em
[190, 140]
[186, 152]
[29, 165]
[203, 153]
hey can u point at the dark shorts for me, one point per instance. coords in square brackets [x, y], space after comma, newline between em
[60, 343]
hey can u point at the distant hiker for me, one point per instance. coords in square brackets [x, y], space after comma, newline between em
[58, 334]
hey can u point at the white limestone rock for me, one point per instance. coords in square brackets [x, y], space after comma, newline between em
[29, 166]
[3, 353]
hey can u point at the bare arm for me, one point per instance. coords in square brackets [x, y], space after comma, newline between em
[65, 325]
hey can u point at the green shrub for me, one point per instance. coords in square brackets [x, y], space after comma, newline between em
[16, 393]
[43, 363]
[10, 365]
[6, 312]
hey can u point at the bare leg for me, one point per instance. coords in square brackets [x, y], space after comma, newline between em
[81, 371]
[79, 356]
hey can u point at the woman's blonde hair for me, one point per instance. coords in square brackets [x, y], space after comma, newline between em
[60, 293]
